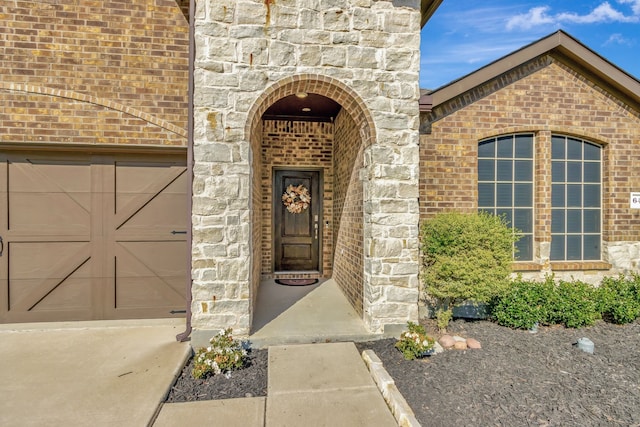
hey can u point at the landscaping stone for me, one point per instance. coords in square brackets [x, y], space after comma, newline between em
[446, 341]
[460, 345]
[473, 343]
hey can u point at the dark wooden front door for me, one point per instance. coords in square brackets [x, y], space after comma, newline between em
[297, 236]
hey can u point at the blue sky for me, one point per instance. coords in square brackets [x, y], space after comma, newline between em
[464, 35]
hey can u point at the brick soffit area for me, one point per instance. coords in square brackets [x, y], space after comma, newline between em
[562, 47]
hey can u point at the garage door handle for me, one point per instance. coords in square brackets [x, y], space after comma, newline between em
[178, 232]
[1, 246]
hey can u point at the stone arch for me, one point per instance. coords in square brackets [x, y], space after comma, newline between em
[321, 85]
[362, 123]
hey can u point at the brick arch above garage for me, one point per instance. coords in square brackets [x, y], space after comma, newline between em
[40, 114]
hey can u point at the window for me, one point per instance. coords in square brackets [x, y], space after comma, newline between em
[576, 190]
[505, 185]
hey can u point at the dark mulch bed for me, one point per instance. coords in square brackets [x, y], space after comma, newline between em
[516, 379]
[251, 381]
[524, 379]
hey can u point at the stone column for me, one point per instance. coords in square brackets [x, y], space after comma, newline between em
[372, 47]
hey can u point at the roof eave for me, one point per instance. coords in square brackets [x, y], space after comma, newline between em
[563, 47]
[427, 9]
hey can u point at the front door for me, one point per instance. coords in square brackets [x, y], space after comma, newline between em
[297, 219]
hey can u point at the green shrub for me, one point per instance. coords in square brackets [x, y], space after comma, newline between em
[574, 304]
[414, 343]
[524, 304]
[443, 318]
[466, 257]
[619, 299]
[222, 356]
[571, 303]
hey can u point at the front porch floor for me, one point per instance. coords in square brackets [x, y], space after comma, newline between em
[305, 314]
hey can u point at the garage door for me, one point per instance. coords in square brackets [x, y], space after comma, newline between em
[92, 236]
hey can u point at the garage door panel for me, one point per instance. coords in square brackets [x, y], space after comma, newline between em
[162, 213]
[49, 276]
[46, 214]
[90, 237]
[149, 194]
[45, 199]
[4, 225]
[72, 293]
[150, 274]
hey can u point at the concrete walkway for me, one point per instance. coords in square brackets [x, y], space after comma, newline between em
[118, 374]
[309, 385]
[304, 315]
[87, 373]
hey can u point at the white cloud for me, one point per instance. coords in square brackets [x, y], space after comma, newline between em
[535, 17]
[464, 58]
[602, 13]
[618, 38]
[635, 5]
[539, 16]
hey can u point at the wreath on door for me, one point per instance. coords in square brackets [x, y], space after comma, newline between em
[296, 198]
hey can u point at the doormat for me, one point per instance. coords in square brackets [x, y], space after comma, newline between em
[296, 282]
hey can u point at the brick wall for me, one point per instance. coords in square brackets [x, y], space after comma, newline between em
[348, 199]
[298, 145]
[256, 214]
[92, 72]
[544, 97]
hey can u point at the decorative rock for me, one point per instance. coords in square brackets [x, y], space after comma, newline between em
[460, 345]
[586, 345]
[473, 343]
[447, 341]
[437, 348]
[458, 339]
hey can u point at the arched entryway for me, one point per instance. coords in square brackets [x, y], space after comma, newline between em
[309, 130]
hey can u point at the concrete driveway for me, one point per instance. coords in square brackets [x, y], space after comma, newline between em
[87, 373]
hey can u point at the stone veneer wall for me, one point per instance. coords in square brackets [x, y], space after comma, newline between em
[298, 145]
[348, 206]
[544, 97]
[365, 55]
[98, 73]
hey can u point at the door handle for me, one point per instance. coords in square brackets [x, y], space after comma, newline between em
[1, 246]
[315, 226]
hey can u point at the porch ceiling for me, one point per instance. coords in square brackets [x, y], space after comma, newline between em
[304, 106]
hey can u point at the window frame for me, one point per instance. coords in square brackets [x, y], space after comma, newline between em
[496, 160]
[571, 209]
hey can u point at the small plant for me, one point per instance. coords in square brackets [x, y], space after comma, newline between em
[619, 299]
[222, 356]
[443, 318]
[414, 343]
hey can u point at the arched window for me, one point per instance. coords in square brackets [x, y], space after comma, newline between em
[505, 185]
[576, 199]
